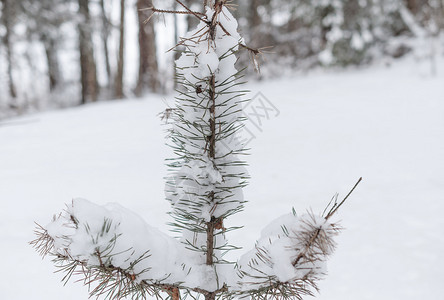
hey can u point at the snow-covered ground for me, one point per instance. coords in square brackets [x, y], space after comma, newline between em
[323, 132]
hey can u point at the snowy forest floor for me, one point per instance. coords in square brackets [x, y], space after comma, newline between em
[324, 131]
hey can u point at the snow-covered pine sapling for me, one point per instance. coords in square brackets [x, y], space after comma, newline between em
[119, 255]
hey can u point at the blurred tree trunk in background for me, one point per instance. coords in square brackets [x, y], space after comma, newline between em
[148, 68]
[118, 92]
[412, 5]
[192, 21]
[105, 35]
[254, 22]
[54, 74]
[45, 19]
[90, 87]
[7, 18]
[177, 53]
[441, 12]
[423, 10]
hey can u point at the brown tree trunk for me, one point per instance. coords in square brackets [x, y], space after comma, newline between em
[119, 76]
[52, 62]
[7, 14]
[441, 5]
[192, 21]
[255, 19]
[412, 5]
[257, 36]
[87, 62]
[105, 35]
[325, 28]
[148, 68]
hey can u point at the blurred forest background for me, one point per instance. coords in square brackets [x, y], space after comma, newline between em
[63, 53]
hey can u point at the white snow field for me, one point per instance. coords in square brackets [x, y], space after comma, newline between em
[384, 124]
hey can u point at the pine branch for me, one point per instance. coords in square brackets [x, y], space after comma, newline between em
[309, 240]
[43, 244]
[103, 278]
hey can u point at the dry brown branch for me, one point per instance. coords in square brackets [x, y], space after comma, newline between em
[230, 5]
[336, 206]
[255, 53]
[167, 11]
[317, 237]
[252, 50]
[190, 11]
[149, 18]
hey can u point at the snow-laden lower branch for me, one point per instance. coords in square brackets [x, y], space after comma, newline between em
[290, 256]
[98, 240]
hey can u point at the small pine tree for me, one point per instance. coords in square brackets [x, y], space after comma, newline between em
[119, 255]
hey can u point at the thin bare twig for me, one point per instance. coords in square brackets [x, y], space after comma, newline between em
[192, 12]
[336, 206]
[167, 11]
